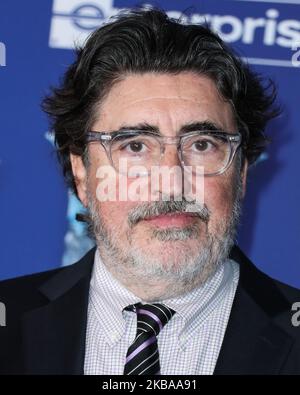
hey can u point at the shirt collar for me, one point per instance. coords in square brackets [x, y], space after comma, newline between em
[109, 297]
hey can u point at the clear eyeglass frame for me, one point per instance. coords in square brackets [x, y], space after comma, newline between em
[106, 139]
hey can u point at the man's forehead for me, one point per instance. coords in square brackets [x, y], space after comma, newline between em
[165, 98]
[157, 86]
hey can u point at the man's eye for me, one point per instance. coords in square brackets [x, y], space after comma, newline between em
[202, 146]
[134, 147]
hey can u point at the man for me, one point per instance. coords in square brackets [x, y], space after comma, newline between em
[165, 291]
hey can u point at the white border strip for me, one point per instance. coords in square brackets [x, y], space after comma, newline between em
[274, 1]
[269, 62]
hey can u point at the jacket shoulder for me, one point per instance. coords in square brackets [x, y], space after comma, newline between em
[291, 293]
[254, 277]
[24, 293]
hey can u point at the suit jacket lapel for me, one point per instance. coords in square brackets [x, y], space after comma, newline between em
[54, 335]
[254, 343]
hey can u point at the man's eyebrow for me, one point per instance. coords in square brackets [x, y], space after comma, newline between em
[195, 126]
[145, 127]
[190, 127]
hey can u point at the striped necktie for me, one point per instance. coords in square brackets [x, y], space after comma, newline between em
[142, 356]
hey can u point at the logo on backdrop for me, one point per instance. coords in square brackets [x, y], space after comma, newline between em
[296, 55]
[74, 20]
[2, 54]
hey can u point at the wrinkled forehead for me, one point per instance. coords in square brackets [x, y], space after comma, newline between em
[167, 101]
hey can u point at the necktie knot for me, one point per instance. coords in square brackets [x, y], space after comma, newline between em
[151, 317]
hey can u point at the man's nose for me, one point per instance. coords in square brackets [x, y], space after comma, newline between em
[171, 156]
[169, 180]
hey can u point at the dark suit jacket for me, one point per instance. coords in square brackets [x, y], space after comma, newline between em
[47, 317]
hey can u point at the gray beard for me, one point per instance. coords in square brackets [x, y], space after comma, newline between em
[183, 272]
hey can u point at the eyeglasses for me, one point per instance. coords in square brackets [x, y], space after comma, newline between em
[213, 150]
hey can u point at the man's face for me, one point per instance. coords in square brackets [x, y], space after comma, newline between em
[169, 244]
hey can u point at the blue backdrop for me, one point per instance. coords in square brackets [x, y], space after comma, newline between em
[38, 230]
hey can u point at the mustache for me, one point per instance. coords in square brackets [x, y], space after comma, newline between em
[153, 209]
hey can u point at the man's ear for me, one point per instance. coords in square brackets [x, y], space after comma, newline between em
[244, 173]
[80, 176]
